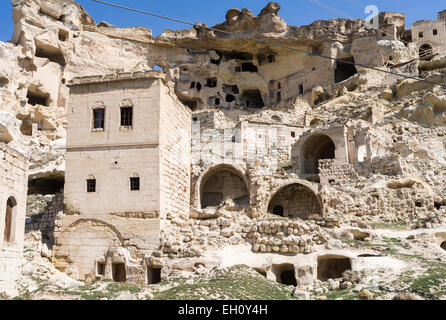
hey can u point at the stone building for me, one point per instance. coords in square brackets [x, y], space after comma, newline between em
[127, 168]
[429, 35]
[391, 25]
[13, 190]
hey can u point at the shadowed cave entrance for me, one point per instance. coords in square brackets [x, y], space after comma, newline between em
[317, 147]
[48, 185]
[332, 267]
[295, 201]
[252, 99]
[223, 184]
[118, 272]
[345, 70]
[153, 275]
[285, 274]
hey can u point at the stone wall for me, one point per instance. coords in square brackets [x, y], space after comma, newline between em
[13, 190]
[175, 155]
[423, 33]
[45, 221]
[330, 172]
[387, 165]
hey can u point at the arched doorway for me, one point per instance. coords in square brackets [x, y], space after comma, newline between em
[425, 50]
[317, 147]
[223, 183]
[295, 201]
[10, 205]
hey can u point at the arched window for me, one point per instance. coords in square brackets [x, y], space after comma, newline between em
[425, 50]
[10, 205]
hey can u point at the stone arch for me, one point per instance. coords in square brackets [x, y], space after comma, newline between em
[296, 200]
[11, 205]
[316, 147]
[425, 50]
[112, 228]
[220, 183]
[88, 241]
[315, 121]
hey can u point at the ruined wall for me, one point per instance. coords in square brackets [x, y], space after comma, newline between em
[430, 33]
[45, 221]
[13, 181]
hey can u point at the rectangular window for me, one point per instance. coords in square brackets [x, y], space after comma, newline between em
[98, 118]
[301, 89]
[420, 34]
[127, 116]
[101, 268]
[134, 184]
[91, 185]
[435, 32]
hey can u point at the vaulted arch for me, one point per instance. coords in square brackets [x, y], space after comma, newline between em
[221, 183]
[295, 201]
[316, 147]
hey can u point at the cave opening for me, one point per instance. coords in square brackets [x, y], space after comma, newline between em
[249, 67]
[235, 55]
[223, 183]
[345, 69]
[49, 185]
[153, 275]
[50, 53]
[317, 147]
[252, 99]
[332, 267]
[118, 272]
[295, 201]
[36, 97]
[191, 103]
[230, 98]
[211, 82]
[285, 274]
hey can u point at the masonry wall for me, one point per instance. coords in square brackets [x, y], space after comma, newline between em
[114, 216]
[115, 154]
[175, 155]
[14, 183]
[426, 27]
[268, 143]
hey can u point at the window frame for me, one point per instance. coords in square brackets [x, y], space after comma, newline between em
[124, 116]
[89, 180]
[93, 122]
[131, 181]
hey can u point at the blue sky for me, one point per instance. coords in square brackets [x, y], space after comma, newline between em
[295, 12]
